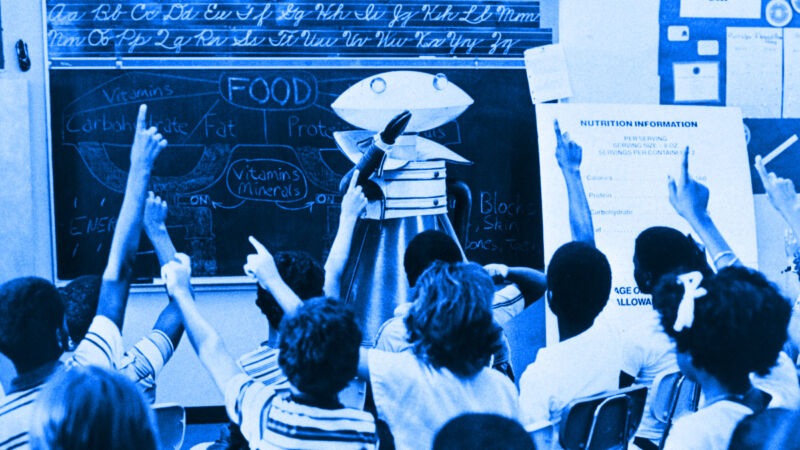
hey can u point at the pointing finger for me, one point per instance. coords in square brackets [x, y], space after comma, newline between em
[141, 118]
[353, 180]
[559, 136]
[684, 176]
[260, 249]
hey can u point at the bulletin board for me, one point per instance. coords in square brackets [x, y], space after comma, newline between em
[743, 53]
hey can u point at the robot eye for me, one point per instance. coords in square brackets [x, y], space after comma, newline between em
[440, 81]
[378, 85]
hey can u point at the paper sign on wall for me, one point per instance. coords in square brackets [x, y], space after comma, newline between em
[628, 152]
[546, 68]
[728, 9]
[695, 82]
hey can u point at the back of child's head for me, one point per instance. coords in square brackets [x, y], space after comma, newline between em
[319, 347]
[450, 322]
[738, 325]
[80, 298]
[426, 248]
[579, 282]
[89, 408]
[302, 273]
[661, 250]
[482, 432]
[31, 322]
[754, 431]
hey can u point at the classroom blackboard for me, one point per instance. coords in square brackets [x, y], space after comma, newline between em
[261, 160]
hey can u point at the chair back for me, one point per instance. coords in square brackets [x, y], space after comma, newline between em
[674, 396]
[604, 421]
[171, 421]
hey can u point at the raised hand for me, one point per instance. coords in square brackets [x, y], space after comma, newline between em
[568, 153]
[354, 200]
[781, 191]
[261, 265]
[155, 213]
[177, 274]
[688, 196]
[147, 142]
[497, 271]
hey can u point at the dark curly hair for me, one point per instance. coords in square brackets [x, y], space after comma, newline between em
[302, 273]
[80, 298]
[661, 250]
[579, 282]
[450, 323]
[31, 315]
[473, 431]
[427, 247]
[319, 347]
[739, 325]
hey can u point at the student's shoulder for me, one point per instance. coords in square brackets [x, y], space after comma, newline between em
[263, 352]
[392, 335]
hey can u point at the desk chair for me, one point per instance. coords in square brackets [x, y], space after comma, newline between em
[674, 396]
[171, 421]
[604, 421]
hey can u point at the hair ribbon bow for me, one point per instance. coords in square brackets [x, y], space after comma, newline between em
[691, 291]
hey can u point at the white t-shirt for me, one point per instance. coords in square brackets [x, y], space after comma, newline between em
[584, 365]
[646, 353]
[708, 429]
[781, 383]
[416, 400]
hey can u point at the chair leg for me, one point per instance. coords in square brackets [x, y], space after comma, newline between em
[672, 407]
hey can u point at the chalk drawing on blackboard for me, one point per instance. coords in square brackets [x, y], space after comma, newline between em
[154, 90]
[209, 168]
[275, 91]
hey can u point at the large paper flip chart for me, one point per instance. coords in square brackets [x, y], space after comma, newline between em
[628, 152]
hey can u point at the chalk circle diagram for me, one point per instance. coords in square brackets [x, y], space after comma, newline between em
[95, 131]
[188, 165]
[779, 13]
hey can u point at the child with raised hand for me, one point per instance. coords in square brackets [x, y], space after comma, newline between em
[32, 314]
[690, 199]
[784, 198]
[143, 362]
[319, 345]
[724, 328]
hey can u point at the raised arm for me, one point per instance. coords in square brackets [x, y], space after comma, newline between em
[782, 195]
[155, 214]
[532, 283]
[353, 204]
[690, 200]
[261, 266]
[147, 144]
[205, 340]
[569, 155]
